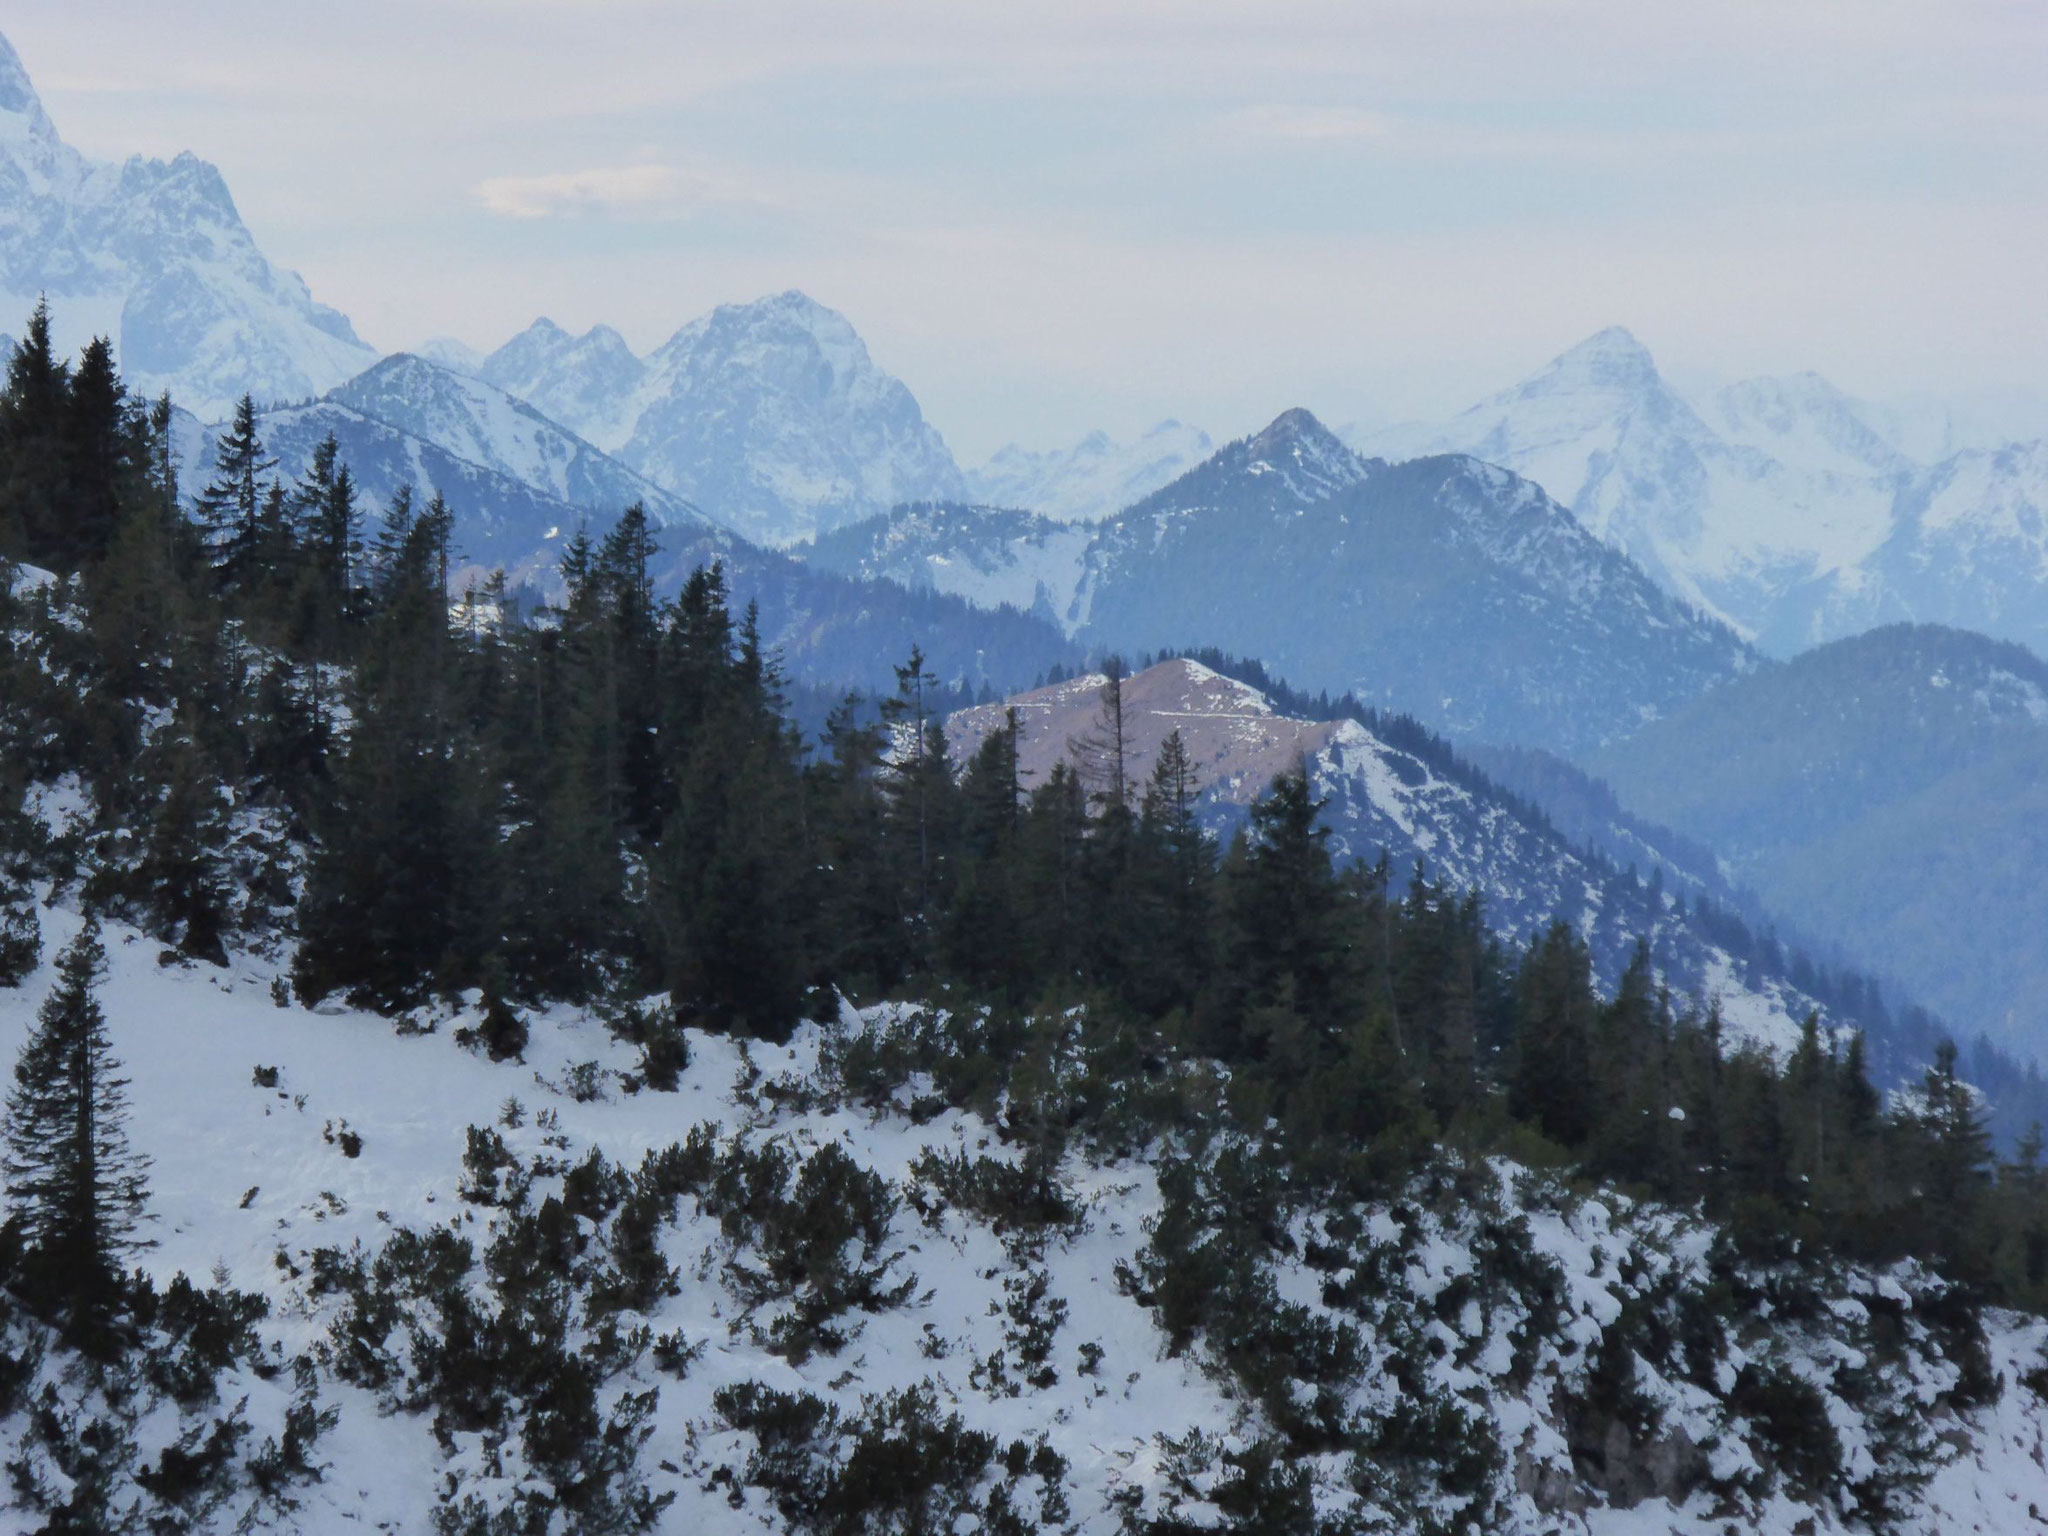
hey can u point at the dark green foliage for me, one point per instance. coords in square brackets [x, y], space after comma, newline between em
[897, 1466]
[21, 932]
[76, 1188]
[1791, 1420]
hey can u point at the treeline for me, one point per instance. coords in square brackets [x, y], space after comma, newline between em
[279, 725]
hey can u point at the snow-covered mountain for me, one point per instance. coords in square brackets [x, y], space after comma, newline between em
[1794, 510]
[1092, 479]
[1446, 587]
[154, 255]
[1715, 517]
[771, 416]
[592, 383]
[991, 556]
[487, 427]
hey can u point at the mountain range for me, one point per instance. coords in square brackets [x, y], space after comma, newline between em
[1446, 587]
[770, 415]
[153, 255]
[1794, 511]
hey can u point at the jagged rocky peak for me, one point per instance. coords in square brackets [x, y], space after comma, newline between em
[154, 254]
[1312, 461]
[774, 418]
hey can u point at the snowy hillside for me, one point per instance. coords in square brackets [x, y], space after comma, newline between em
[771, 416]
[1093, 479]
[987, 555]
[154, 255]
[1000, 1375]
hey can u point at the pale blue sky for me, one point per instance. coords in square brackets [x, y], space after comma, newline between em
[1047, 217]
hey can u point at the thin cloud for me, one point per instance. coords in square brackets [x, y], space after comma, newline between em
[1308, 124]
[614, 191]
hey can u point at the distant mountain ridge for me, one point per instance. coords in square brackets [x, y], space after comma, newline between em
[770, 416]
[1891, 789]
[154, 255]
[1795, 511]
[1094, 479]
[1447, 587]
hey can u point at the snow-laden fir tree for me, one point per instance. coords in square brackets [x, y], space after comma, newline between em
[76, 1188]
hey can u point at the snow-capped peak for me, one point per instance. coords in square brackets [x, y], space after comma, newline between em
[1611, 358]
[1311, 460]
[153, 254]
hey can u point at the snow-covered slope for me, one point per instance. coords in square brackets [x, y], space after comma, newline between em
[590, 383]
[1092, 479]
[154, 255]
[990, 556]
[771, 416]
[489, 428]
[311, 1158]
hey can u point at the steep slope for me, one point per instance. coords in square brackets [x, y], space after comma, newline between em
[1445, 587]
[1092, 479]
[154, 255]
[1893, 790]
[989, 556]
[1717, 519]
[771, 416]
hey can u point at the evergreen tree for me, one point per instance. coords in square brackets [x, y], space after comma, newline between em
[1552, 1083]
[21, 934]
[33, 431]
[231, 507]
[105, 454]
[77, 1189]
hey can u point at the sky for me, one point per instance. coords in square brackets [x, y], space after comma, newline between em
[1056, 216]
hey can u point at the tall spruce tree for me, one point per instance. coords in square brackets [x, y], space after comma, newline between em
[77, 1188]
[231, 508]
[33, 410]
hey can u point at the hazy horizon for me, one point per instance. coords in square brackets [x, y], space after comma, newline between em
[1105, 218]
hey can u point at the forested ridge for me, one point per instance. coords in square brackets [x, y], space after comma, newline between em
[247, 716]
